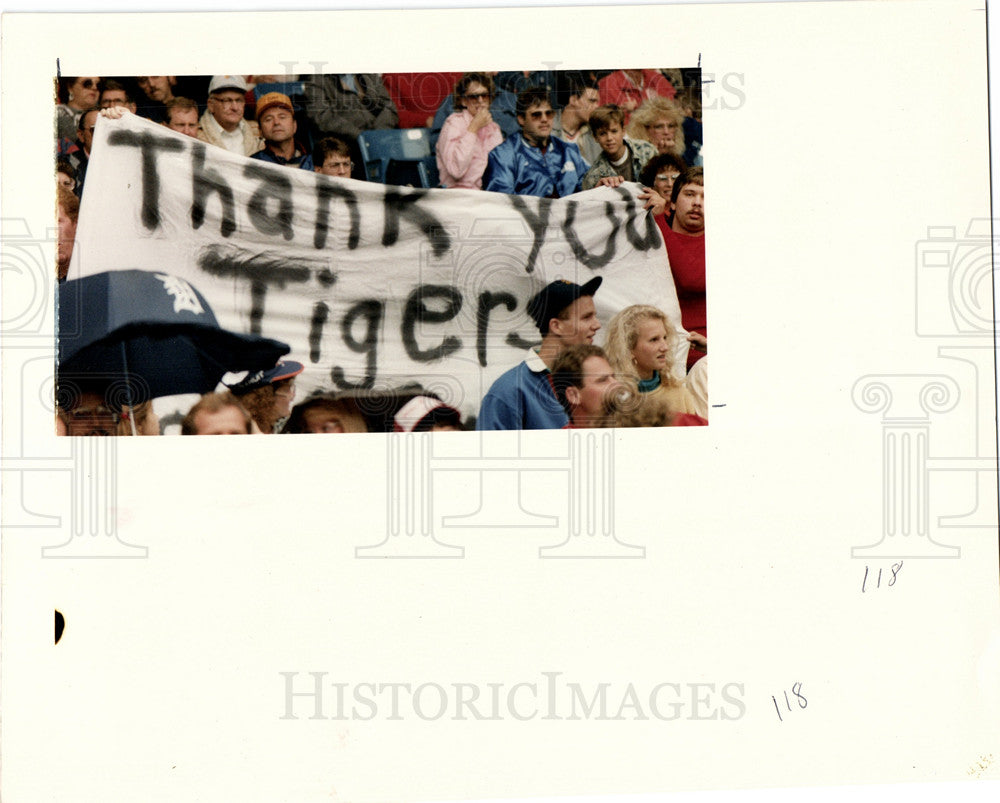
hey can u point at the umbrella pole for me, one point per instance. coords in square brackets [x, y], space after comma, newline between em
[128, 392]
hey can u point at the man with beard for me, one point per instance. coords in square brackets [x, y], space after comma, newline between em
[685, 241]
[159, 90]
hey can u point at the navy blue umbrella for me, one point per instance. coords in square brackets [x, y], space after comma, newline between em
[154, 331]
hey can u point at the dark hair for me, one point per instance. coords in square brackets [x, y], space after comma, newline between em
[80, 125]
[327, 146]
[575, 83]
[603, 116]
[112, 85]
[693, 175]
[567, 370]
[351, 417]
[657, 163]
[466, 81]
[532, 96]
[439, 415]
[63, 84]
[63, 166]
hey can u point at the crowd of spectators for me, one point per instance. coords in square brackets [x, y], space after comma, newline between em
[542, 133]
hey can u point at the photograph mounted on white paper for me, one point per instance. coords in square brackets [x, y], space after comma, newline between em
[357, 236]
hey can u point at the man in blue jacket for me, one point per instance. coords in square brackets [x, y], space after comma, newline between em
[533, 162]
[524, 397]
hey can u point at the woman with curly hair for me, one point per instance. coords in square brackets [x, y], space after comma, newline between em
[267, 395]
[658, 176]
[469, 134]
[659, 120]
[640, 346]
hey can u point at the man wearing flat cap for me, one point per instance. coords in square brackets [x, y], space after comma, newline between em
[276, 118]
[222, 123]
[524, 397]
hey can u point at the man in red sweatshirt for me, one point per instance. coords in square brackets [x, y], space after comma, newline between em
[685, 241]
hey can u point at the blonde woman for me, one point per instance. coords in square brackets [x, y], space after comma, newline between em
[661, 122]
[640, 347]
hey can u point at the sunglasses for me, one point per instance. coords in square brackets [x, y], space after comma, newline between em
[548, 114]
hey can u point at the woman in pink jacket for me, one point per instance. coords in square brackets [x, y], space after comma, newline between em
[469, 134]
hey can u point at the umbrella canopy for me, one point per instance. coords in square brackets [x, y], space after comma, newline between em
[156, 331]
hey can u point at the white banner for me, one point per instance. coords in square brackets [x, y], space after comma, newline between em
[372, 286]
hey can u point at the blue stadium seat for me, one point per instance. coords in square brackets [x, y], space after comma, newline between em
[294, 89]
[399, 156]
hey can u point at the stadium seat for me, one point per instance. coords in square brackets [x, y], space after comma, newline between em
[399, 156]
[294, 89]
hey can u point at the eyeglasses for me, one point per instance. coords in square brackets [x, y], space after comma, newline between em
[89, 83]
[90, 414]
[229, 101]
[477, 96]
[667, 177]
[348, 165]
[548, 114]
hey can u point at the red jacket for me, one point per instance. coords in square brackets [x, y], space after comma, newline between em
[618, 88]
